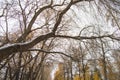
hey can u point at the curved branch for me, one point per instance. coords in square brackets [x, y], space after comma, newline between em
[28, 30]
[8, 50]
[85, 37]
[54, 52]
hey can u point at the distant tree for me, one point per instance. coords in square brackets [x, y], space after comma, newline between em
[59, 74]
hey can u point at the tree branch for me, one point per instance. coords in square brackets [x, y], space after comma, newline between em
[21, 47]
[84, 37]
[28, 30]
[54, 52]
[59, 19]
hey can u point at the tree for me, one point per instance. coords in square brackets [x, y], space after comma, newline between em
[59, 74]
[77, 77]
[32, 32]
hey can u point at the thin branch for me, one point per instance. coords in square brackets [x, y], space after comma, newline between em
[53, 52]
[28, 30]
[84, 37]
[4, 10]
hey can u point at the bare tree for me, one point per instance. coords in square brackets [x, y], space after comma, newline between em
[33, 32]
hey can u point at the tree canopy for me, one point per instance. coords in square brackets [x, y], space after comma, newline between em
[79, 33]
